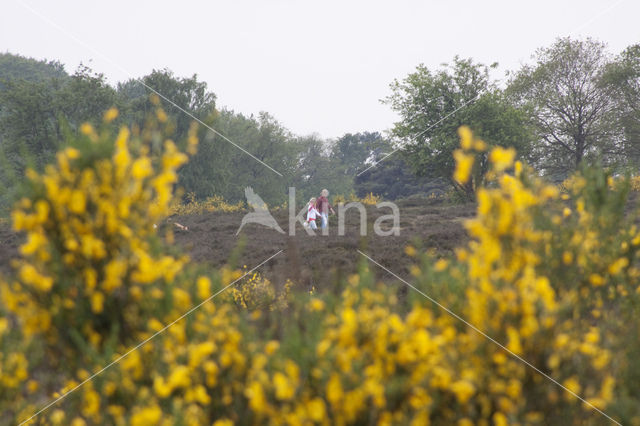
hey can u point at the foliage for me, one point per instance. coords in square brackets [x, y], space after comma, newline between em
[570, 107]
[19, 67]
[460, 93]
[553, 279]
[36, 111]
[91, 263]
[623, 77]
[256, 292]
[368, 199]
[393, 178]
[211, 204]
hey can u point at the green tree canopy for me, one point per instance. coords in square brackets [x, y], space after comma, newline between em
[623, 77]
[570, 109]
[434, 104]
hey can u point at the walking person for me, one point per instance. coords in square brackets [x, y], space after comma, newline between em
[323, 206]
[312, 214]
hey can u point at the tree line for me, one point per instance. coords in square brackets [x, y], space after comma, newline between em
[575, 103]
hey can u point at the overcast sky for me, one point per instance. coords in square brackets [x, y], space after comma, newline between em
[317, 66]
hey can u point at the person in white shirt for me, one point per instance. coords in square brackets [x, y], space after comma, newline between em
[312, 214]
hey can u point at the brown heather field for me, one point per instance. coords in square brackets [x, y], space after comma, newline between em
[307, 260]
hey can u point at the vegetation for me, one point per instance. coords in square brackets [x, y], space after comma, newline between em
[464, 93]
[104, 321]
[547, 265]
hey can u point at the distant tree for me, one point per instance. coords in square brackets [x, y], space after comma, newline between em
[394, 178]
[571, 110]
[31, 112]
[207, 173]
[16, 67]
[319, 167]
[623, 77]
[268, 141]
[187, 92]
[28, 121]
[353, 150]
[84, 98]
[433, 105]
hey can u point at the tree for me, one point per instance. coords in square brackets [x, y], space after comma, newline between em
[84, 98]
[187, 93]
[16, 67]
[353, 150]
[268, 141]
[571, 110]
[320, 167]
[623, 77]
[433, 105]
[394, 178]
[206, 173]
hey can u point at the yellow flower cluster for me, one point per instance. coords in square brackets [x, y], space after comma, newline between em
[369, 199]
[258, 292]
[90, 260]
[211, 204]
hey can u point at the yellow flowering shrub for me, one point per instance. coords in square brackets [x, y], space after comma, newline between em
[553, 279]
[211, 204]
[369, 199]
[91, 265]
[256, 291]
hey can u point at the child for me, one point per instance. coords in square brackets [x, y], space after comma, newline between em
[312, 214]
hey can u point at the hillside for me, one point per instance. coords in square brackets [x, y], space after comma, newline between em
[308, 260]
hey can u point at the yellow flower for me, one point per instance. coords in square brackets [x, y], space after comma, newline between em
[464, 163]
[466, 137]
[441, 265]
[110, 115]
[334, 390]
[147, 416]
[222, 422]
[204, 287]
[316, 409]
[78, 421]
[179, 377]
[87, 129]
[91, 403]
[271, 347]
[572, 384]
[255, 394]
[141, 168]
[316, 305]
[501, 158]
[513, 343]
[4, 325]
[161, 387]
[596, 280]
[463, 389]
[97, 301]
[57, 417]
[161, 115]
[616, 267]
[499, 419]
[410, 251]
[284, 388]
[32, 386]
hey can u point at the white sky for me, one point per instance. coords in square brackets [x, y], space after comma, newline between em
[317, 66]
